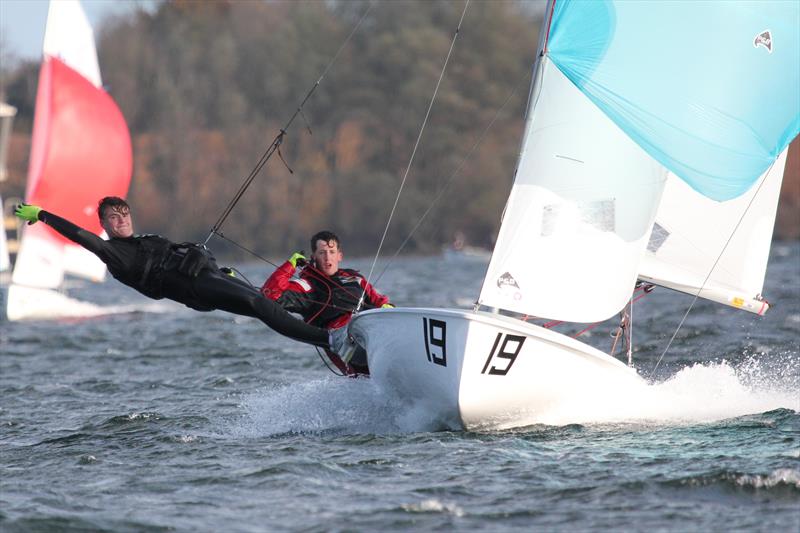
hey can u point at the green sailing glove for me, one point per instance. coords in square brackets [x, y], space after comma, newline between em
[297, 259]
[29, 213]
[387, 306]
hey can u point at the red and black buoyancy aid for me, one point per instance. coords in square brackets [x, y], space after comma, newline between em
[333, 295]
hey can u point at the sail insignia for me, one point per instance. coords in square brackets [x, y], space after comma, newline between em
[764, 39]
[507, 280]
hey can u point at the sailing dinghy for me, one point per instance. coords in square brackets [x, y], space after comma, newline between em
[80, 152]
[653, 149]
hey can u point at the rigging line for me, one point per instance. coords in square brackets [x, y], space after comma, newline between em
[325, 362]
[629, 330]
[413, 152]
[455, 173]
[248, 250]
[243, 187]
[702, 286]
[595, 324]
[276, 143]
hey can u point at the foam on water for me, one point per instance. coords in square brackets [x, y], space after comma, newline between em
[698, 393]
[336, 405]
[783, 476]
[433, 505]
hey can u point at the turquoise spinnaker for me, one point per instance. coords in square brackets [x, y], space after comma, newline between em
[709, 89]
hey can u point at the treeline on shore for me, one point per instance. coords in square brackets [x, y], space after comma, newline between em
[206, 86]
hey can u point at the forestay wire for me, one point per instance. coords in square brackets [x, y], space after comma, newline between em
[276, 143]
[702, 286]
[450, 179]
[413, 153]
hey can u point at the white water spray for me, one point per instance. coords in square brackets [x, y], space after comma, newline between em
[699, 393]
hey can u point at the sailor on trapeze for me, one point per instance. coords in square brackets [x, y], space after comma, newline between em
[186, 273]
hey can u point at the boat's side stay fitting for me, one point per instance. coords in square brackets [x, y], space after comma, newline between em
[624, 330]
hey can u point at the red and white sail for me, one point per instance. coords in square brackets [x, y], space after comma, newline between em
[80, 151]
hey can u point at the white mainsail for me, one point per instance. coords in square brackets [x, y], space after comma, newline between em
[580, 211]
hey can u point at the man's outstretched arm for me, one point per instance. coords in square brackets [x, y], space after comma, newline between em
[87, 239]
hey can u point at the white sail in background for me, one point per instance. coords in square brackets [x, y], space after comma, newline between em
[7, 114]
[69, 37]
[5, 263]
[691, 231]
[580, 211]
[39, 261]
[80, 152]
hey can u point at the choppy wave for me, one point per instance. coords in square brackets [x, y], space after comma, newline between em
[781, 479]
[207, 422]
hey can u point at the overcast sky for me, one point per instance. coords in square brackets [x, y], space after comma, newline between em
[22, 22]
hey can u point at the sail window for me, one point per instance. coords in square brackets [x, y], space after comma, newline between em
[658, 236]
[567, 217]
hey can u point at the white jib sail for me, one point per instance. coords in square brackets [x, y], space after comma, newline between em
[691, 232]
[580, 211]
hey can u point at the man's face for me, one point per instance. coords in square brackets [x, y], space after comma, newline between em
[117, 222]
[327, 256]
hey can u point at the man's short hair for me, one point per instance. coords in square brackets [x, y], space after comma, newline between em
[326, 237]
[111, 202]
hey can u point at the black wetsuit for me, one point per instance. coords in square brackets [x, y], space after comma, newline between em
[152, 265]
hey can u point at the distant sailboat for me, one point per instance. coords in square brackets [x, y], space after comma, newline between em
[654, 149]
[80, 152]
[7, 114]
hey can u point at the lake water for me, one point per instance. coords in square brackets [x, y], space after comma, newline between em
[167, 419]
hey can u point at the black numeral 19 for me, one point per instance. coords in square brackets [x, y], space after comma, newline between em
[504, 353]
[435, 335]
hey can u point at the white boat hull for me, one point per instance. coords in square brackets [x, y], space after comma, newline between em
[476, 370]
[18, 302]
